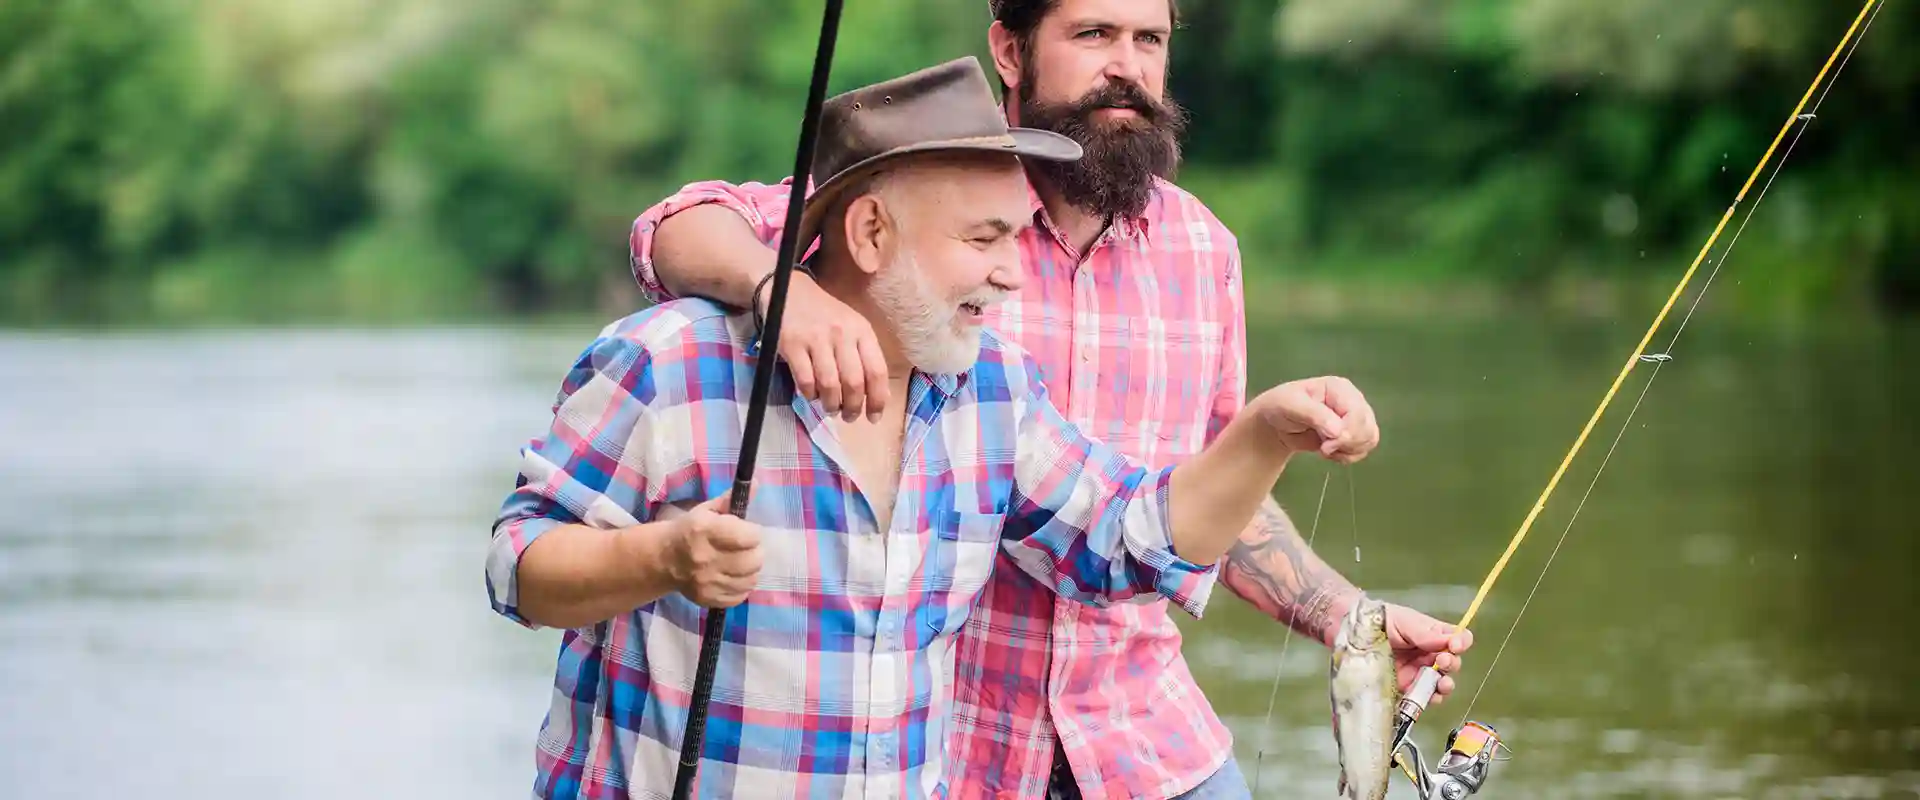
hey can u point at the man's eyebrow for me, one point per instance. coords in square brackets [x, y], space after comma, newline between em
[1094, 22]
[998, 225]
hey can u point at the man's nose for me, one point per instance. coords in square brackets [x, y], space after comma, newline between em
[1009, 277]
[1125, 63]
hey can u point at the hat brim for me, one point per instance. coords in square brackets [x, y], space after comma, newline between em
[1022, 142]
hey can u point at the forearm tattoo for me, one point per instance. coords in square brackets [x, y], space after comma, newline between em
[1272, 569]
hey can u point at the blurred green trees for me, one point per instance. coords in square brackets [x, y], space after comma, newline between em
[193, 159]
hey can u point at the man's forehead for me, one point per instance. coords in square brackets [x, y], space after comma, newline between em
[981, 193]
[1156, 14]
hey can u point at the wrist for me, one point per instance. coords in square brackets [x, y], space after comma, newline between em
[1325, 608]
[761, 299]
[1273, 420]
[648, 552]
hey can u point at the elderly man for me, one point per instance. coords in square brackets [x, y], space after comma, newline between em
[1132, 311]
[867, 541]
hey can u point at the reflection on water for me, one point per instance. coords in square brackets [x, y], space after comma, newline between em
[248, 563]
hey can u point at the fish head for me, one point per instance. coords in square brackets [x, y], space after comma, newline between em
[1365, 626]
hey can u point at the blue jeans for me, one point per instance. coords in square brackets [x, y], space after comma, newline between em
[1225, 783]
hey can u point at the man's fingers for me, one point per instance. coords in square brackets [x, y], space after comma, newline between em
[720, 504]
[1317, 416]
[1462, 639]
[743, 564]
[826, 375]
[1337, 393]
[853, 379]
[732, 535]
[876, 365]
[722, 597]
[801, 365]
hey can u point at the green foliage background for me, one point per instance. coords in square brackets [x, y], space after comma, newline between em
[422, 159]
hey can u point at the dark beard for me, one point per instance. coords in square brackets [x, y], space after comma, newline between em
[1115, 176]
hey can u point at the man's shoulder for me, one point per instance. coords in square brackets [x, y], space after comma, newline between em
[688, 335]
[665, 329]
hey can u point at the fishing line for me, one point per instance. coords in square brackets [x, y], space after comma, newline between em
[1661, 359]
[1353, 509]
[1312, 531]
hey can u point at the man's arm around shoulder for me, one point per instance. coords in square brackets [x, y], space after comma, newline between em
[711, 239]
[718, 241]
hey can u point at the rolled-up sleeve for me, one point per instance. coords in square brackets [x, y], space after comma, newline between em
[579, 471]
[763, 206]
[1090, 522]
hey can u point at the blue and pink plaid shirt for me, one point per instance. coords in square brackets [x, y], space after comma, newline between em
[1141, 340]
[837, 673]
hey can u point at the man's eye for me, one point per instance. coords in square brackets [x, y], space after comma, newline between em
[1092, 32]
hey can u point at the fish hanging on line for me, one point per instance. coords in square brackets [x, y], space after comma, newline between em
[1364, 693]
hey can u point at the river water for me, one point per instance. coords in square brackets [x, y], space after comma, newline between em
[247, 563]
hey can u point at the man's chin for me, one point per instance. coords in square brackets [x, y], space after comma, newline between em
[956, 356]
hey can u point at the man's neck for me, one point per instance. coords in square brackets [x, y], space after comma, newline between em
[1078, 227]
[833, 279]
[1075, 224]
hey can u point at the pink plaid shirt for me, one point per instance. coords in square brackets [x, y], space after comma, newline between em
[1141, 341]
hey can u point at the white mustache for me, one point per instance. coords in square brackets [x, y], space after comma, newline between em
[983, 299]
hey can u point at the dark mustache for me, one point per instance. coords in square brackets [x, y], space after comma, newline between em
[1120, 94]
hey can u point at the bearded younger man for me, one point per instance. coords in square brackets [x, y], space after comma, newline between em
[866, 541]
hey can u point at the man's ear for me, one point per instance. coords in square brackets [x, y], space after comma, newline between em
[1006, 55]
[870, 231]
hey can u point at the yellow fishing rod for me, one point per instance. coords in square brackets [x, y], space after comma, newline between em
[1472, 746]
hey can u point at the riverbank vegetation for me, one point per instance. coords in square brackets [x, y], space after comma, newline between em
[191, 160]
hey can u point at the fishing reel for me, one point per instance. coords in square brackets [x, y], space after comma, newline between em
[1471, 750]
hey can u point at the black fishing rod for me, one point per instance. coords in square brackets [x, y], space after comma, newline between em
[694, 740]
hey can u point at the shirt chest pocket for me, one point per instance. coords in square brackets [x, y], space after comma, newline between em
[1164, 384]
[965, 544]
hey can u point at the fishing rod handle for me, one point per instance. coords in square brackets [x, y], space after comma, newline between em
[1415, 700]
[695, 736]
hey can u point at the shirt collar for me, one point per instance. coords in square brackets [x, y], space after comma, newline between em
[1131, 227]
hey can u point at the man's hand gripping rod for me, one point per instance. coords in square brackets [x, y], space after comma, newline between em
[1471, 748]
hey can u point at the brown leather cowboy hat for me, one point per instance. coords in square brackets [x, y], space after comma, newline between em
[943, 108]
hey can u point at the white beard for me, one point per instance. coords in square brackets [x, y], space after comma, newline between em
[931, 334]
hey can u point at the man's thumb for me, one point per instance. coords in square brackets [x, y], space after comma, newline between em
[1328, 424]
[721, 504]
[1425, 633]
[1434, 636]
